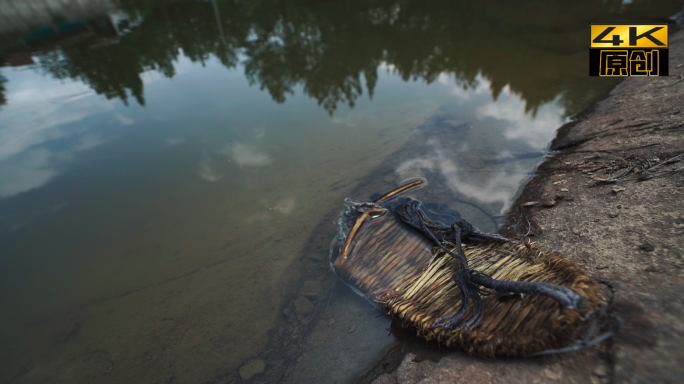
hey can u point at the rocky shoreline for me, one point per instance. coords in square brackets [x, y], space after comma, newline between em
[611, 199]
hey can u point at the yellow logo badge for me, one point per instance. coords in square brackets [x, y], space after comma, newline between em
[628, 50]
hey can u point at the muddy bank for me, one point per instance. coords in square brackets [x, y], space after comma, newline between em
[614, 204]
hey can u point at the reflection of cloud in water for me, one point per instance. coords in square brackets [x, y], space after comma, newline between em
[124, 120]
[173, 141]
[28, 123]
[536, 131]
[348, 120]
[208, 172]
[260, 132]
[498, 188]
[35, 167]
[490, 185]
[482, 86]
[42, 112]
[39, 114]
[242, 154]
[89, 141]
[26, 171]
[245, 155]
[390, 68]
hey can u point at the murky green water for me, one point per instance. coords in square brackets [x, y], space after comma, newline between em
[170, 170]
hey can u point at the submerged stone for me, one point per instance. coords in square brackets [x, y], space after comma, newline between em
[317, 256]
[303, 306]
[313, 290]
[252, 368]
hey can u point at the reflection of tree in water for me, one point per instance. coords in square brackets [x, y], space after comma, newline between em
[3, 80]
[331, 49]
[114, 70]
[324, 51]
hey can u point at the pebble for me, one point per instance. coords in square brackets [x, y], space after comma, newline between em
[317, 256]
[303, 306]
[313, 290]
[252, 368]
[554, 372]
[600, 370]
[647, 247]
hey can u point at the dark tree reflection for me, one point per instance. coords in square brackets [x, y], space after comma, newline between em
[333, 49]
[3, 99]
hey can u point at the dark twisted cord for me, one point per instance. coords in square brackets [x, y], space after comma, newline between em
[469, 281]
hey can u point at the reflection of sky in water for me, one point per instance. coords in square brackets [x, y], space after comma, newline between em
[39, 132]
[48, 125]
[204, 200]
[243, 155]
[523, 130]
[211, 169]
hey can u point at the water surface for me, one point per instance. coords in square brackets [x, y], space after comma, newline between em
[169, 172]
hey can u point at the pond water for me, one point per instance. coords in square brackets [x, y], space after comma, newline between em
[170, 170]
